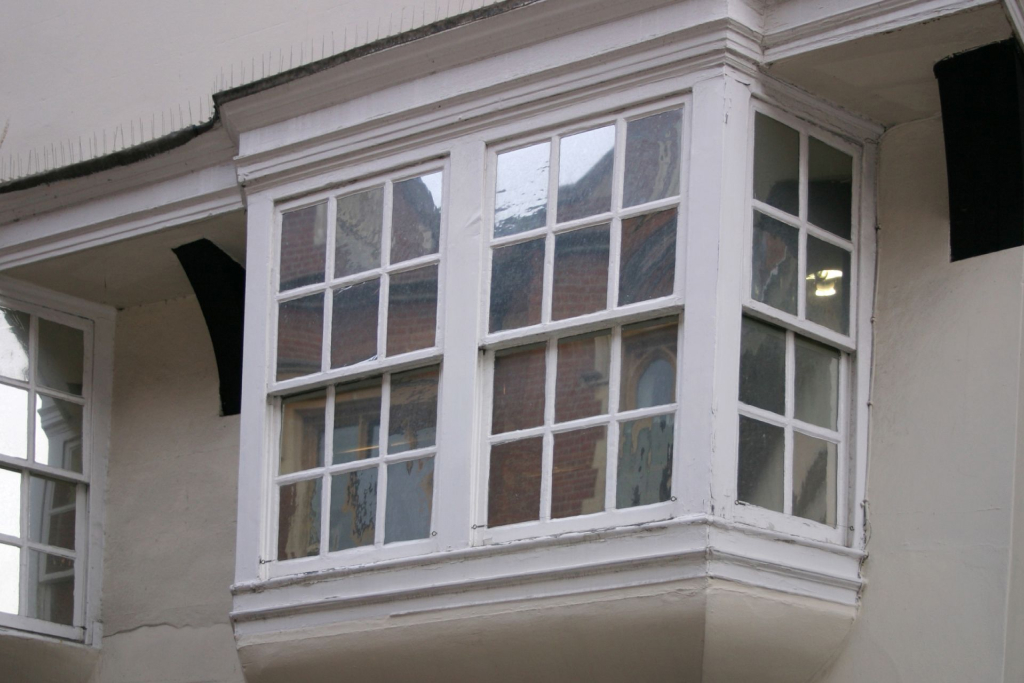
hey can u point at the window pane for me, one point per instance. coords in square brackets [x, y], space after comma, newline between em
[298, 522]
[61, 355]
[521, 196]
[13, 422]
[513, 492]
[648, 260]
[51, 588]
[585, 173]
[353, 509]
[300, 329]
[51, 512]
[773, 275]
[829, 188]
[416, 217]
[10, 578]
[354, 323]
[652, 158]
[577, 480]
[828, 285]
[410, 500]
[645, 461]
[10, 504]
[761, 464]
[581, 385]
[58, 433]
[776, 164]
[581, 272]
[412, 310]
[303, 246]
[817, 383]
[814, 479]
[413, 419]
[357, 421]
[517, 285]
[14, 344]
[360, 220]
[763, 366]
[302, 432]
[518, 389]
[648, 364]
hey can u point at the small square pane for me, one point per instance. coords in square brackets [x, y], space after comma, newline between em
[303, 420]
[513, 490]
[358, 232]
[521, 195]
[14, 344]
[61, 357]
[354, 323]
[763, 366]
[647, 267]
[581, 383]
[10, 503]
[353, 509]
[518, 389]
[298, 521]
[776, 164]
[412, 310]
[646, 447]
[814, 479]
[303, 246]
[416, 217]
[817, 383]
[51, 512]
[585, 173]
[773, 278]
[58, 433]
[580, 273]
[413, 419]
[828, 285]
[517, 285]
[648, 364]
[13, 422]
[762, 463]
[356, 421]
[51, 588]
[10, 578]
[652, 158]
[578, 472]
[829, 188]
[410, 500]
[300, 329]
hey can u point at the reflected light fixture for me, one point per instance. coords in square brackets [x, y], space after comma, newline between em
[825, 282]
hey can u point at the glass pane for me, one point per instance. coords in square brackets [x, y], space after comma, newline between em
[410, 500]
[353, 509]
[14, 344]
[360, 220]
[413, 419]
[814, 479]
[354, 323]
[648, 261]
[10, 503]
[645, 461]
[303, 423]
[412, 310]
[518, 389]
[416, 217]
[828, 285]
[581, 272]
[776, 164]
[513, 492]
[61, 356]
[51, 512]
[58, 433]
[300, 329]
[652, 158]
[648, 364]
[829, 188]
[10, 578]
[521, 195]
[303, 246]
[762, 463]
[774, 268]
[581, 385]
[298, 522]
[817, 384]
[357, 421]
[577, 479]
[517, 285]
[763, 366]
[13, 422]
[51, 588]
[585, 173]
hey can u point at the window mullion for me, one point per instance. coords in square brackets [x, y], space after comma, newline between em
[787, 487]
[547, 457]
[614, 390]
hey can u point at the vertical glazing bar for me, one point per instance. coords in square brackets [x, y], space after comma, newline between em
[787, 487]
[382, 469]
[547, 458]
[382, 311]
[325, 484]
[332, 221]
[614, 382]
[78, 619]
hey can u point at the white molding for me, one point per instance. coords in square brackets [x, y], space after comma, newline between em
[1015, 13]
